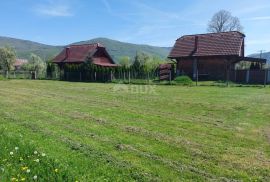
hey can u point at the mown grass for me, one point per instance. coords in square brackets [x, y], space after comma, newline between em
[98, 132]
[24, 163]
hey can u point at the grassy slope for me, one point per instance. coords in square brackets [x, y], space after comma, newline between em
[180, 133]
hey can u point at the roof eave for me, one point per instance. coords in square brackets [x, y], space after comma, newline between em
[251, 59]
[225, 56]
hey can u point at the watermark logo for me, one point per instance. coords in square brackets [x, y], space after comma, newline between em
[120, 88]
[135, 89]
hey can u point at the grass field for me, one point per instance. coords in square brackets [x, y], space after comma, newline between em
[53, 131]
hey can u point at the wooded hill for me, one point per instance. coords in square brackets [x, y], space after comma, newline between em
[117, 49]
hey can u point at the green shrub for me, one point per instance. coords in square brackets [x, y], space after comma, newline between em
[183, 80]
[2, 77]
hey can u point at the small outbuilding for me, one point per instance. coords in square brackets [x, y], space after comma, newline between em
[77, 54]
[96, 54]
[19, 63]
[210, 56]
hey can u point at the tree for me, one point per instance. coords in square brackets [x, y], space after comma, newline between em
[35, 64]
[223, 21]
[7, 59]
[125, 61]
[52, 68]
[140, 59]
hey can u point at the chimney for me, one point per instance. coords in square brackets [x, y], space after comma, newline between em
[196, 44]
[67, 52]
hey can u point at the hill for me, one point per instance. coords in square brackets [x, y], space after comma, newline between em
[24, 48]
[116, 48]
[265, 55]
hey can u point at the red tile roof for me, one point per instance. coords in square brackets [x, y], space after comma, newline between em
[212, 44]
[76, 53]
[81, 53]
[103, 61]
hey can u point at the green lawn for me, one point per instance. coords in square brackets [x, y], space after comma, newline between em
[104, 132]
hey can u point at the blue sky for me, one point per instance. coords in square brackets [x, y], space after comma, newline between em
[154, 22]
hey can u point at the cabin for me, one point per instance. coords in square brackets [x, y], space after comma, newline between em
[96, 54]
[211, 56]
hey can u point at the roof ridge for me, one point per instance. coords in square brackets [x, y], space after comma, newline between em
[77, 45]
[192, 35]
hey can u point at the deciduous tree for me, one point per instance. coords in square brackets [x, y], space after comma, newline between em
[35, 64]
[125, 61]
[223, 21]
[7, 59]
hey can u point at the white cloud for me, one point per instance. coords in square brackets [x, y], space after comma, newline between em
[54, 8]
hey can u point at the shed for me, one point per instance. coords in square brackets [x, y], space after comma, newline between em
[210, 56]
[77, 54]
[96, 54]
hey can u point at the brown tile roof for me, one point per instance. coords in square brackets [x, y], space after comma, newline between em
[76, 53]
[81, 53]
[212, 44]
[103, 61]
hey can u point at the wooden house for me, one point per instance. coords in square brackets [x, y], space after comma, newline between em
[210, 56]
[19, 63]
[77, 54]
[95, 54]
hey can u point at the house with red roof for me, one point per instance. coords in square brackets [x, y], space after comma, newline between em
[19, 63]
[210, 56]
[77, 54]
[96, 54]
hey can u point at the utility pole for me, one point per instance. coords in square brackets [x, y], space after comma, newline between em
[265, 69]
[261, 52]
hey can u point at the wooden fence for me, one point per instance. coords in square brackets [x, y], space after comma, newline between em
[250, 76]
[30, 75]
[164, 73]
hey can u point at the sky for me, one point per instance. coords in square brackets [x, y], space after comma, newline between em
[153, 22]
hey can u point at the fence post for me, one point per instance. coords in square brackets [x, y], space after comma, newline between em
[247, 76]
[197, 77]
[235, 77]
[80, 76]
[228, 68]
[129, 76]
[268, 75]
[170, 77]
[111, 76]
[265, 76]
